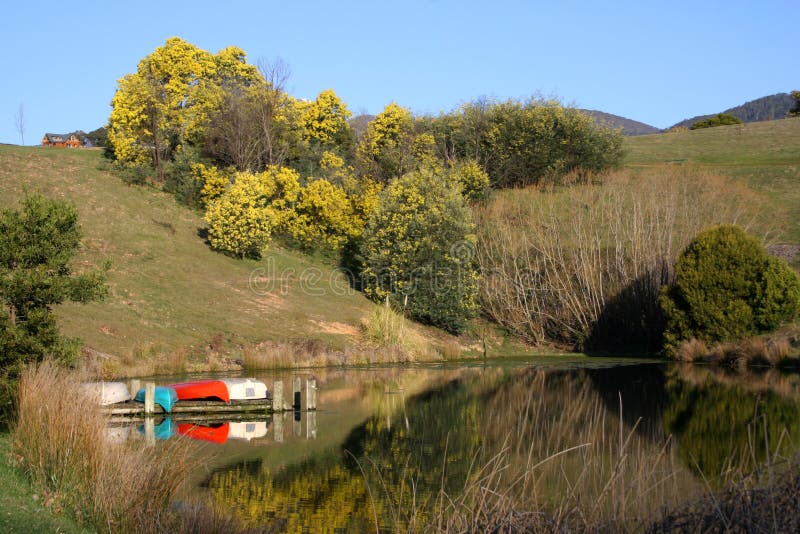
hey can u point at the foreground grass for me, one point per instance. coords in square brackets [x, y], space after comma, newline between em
[764, 155]
[21, 507]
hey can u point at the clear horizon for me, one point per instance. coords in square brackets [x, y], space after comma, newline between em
[654, 64]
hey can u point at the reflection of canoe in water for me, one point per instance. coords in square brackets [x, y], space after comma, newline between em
[107, 392]
[165, 397]
[215, 434]
[202, 389]
[117, 434]
[164, 430]
[245, 388]
[248, 430]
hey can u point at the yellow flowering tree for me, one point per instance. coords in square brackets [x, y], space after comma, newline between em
[243, 219]
[324, 216]
[418, 249]
[325, 119]
[472, 178]
[385, 148]
[212, 181]
[169, 99]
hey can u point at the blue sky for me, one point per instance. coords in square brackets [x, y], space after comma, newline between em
[656, 62]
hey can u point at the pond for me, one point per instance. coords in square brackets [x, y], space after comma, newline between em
[394, 446]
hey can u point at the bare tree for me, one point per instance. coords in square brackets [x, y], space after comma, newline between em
[19, 122]
[275, 73]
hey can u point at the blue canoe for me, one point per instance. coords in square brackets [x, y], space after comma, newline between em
[165, 397]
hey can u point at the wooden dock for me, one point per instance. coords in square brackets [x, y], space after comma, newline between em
[275, 402]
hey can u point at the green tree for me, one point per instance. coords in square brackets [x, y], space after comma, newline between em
[726, 288]
[723, 119]
[796, 110]
[519, 144]
[418, 249]
[37, 243]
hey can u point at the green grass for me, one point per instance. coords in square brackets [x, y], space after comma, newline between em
[168, 290]
[765, 155]
[19, 510]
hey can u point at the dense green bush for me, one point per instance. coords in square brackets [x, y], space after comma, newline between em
[723, 119]
[37, 243]
[727, 288]
[418, 249]
[523, 143]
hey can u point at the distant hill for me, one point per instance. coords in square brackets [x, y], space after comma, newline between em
[629, 126]
[761, 109]
[763, 154]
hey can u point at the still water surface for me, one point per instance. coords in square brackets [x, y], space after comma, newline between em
[386, 441]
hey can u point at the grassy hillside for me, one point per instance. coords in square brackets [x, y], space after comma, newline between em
[170, 295]
[765, 155]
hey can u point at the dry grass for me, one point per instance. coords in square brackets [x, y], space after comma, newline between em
[390, 330]
[778, 349]
[60, 443]
[584, 265]
[762, 502]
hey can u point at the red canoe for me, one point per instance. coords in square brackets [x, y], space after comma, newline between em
[202, 389]
[214, 434]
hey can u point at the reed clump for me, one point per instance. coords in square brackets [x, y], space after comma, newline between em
[779, 349]
[585, 265]
[390, 330]
[60, 443]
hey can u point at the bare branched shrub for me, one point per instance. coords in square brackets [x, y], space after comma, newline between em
[584, 265]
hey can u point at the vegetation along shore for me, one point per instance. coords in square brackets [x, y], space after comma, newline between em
[227, 226]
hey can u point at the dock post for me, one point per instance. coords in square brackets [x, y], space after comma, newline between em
[277, 396]
[150, 431]
[136, 385]
[297, 424]
[277, 420]
[296, 393]
[149, 398]
[311, 394]
[311, 425]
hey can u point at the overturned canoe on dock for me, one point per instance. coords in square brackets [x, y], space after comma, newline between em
[164, 396]
[245, 388]
[202, 389]
[105, 393]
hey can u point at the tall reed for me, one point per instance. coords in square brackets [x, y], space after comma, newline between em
[584, 265]
[60, 439]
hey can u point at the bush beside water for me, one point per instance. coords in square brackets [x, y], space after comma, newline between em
[727, 288]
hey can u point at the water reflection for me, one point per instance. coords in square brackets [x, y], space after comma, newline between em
[387, 445]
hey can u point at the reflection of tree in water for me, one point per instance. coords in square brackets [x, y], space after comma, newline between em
[400, 459]
[319, 495]
[640, 389]
[722, 422]
[436, 440]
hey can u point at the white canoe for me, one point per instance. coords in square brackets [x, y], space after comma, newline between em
[245, 388]
[106, 393]
[247, 430]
